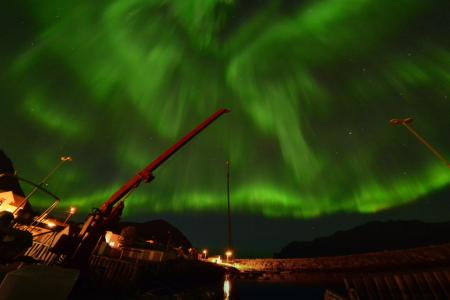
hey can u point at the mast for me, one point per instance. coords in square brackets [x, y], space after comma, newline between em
[406, 122]
[229, 207]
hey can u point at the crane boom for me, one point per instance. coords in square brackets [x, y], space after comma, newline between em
[109, 213]
[146, 174]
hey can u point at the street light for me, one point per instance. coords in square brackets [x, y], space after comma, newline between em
[205, 253]
[401, 121]
[228, 254]
[406, 122]
[70, 214]
[227, 163]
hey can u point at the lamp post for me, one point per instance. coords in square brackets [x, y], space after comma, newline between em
[228, 254]
[406, 122]
[70, 214]
[229, 208]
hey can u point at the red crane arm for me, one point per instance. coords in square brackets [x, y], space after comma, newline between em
[110, 211]
[146, 173]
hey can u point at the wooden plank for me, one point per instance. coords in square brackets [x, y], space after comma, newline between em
[414, 288]
[124, 271]
[119, 269]
[37, 254]
[46, 256]
[411, 284]
[446, 273]
[402, 287]
[360, 289]
[329, 295]
[425, 289]
[35, 251]
[381, 286]
[369, 287]
[131, 270]
[108, 266]
[393, 288]
[431, 282]
[443, 282]
[114, 272]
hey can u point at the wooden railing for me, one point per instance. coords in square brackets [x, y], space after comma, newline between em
[107, 271]
[41, 251]
[432, 284]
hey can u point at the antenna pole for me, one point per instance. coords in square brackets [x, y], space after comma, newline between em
[229, 207]
[406, 122]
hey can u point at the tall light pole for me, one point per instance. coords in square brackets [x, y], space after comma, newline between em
[229, 207]
[406, 122]
[70, 214]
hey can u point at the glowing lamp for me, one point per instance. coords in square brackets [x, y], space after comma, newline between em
[228, 254]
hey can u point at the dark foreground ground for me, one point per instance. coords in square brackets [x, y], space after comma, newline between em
[271, 278]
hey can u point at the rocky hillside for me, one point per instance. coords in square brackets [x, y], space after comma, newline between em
[371, 237]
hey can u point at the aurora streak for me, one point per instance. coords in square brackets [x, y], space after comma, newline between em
[311, 85]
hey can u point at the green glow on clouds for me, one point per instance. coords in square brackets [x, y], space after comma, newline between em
[312, 88]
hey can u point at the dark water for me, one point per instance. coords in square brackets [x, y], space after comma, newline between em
[228, 289]
[241, 290]
[244, 289]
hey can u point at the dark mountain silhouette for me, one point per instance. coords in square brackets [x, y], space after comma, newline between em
[371, 237]
[8, 183]
[158, 230]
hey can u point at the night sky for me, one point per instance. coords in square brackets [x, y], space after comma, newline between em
[312, 86]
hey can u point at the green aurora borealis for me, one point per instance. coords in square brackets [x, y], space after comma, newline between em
[312, 86]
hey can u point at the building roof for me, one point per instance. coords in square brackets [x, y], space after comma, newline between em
[10, 201]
